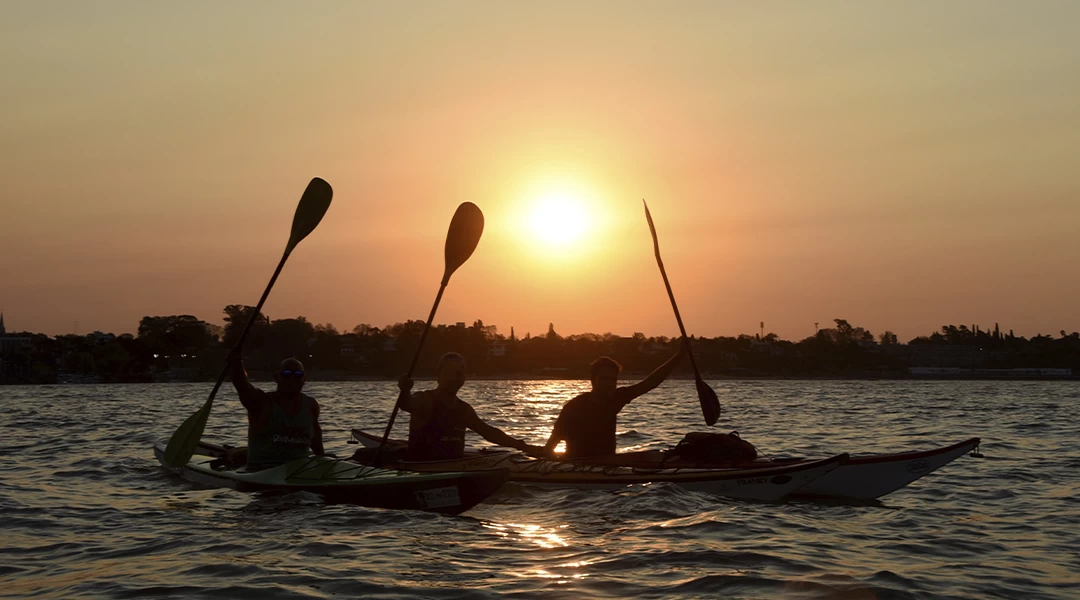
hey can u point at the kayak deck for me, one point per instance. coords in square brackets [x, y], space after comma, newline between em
[859, 478]
[767, 482]
[345, 481]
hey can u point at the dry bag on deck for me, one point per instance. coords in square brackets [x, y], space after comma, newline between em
[712, 449]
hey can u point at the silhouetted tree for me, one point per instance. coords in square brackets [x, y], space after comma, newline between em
[236, 318]
[888, 338]
[551, 335]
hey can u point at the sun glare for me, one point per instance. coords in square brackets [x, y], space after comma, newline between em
[559, 216]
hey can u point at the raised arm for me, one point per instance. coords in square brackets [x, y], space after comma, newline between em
[405, 384]
[493, 434]
[654, 379]
[250, 396]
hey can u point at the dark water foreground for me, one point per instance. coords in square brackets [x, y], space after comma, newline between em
[86, 512]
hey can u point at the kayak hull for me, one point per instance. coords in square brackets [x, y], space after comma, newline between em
[343, 481]
[859, 478]
[871, 477]
[768, 483]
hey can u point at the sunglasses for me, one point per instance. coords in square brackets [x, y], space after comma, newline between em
[296, 374]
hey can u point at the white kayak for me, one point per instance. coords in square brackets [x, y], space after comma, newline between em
[766, 482]
[873, 476]
[864, 477]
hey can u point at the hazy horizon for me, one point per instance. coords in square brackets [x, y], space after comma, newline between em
[899, 166]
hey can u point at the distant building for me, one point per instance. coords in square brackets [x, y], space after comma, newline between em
[767, 347]
[653, 347]
[497, 349]
[991, 373]
[942, 355]
[348, 344]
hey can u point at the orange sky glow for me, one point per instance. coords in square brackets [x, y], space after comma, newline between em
[902, 166]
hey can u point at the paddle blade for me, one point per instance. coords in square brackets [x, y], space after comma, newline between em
[465, 230]
[310, 211]
[710, 404]
[183, 442]
[652, 230]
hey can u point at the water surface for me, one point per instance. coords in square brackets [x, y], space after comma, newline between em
[88, 513]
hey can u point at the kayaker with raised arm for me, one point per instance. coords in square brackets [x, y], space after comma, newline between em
[587, 423]
[438, 418]
[283, 424]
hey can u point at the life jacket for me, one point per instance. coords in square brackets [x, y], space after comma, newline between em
[284, 436]
[441, 437]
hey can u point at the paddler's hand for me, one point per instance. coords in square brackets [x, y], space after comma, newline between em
[533, 451]
[405, 384]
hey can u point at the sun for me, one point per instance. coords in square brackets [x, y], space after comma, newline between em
[559, 216]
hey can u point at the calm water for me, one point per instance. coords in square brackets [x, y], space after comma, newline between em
[87, 512]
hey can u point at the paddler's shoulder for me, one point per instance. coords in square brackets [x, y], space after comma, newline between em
[312, 402]
[421, 398]
[577, 401]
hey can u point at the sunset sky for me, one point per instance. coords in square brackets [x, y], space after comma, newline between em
[900, 165]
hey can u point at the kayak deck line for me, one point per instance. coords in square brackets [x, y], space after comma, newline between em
[758, 482]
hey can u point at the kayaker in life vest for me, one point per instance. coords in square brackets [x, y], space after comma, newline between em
[587, 422]
[283, 424]
[438, 418]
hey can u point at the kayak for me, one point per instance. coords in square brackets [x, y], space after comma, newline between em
[767, 483]
[859, 478]
[871, 477]
[344, 481]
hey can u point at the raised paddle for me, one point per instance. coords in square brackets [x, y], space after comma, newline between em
[710, 404]
[462, 238]
[309, 212]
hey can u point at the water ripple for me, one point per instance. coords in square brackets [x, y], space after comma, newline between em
[88, 513]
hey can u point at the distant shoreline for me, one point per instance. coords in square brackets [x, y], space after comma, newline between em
[628, 377]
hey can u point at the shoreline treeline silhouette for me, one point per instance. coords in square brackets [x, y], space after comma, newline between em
[185, 348]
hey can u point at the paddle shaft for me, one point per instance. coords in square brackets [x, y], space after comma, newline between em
[412, 365]
[678, 317]
[243, 335]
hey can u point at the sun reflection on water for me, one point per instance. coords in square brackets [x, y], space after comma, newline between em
[545, 537]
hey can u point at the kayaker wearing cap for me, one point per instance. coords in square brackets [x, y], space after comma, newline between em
[438, 418]
[587, 422]
[283, 424]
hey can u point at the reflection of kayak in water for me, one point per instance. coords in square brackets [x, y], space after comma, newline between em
[859, 478]
[344, 481]
[768, 483]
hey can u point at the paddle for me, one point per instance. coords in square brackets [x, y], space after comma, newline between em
[462, 238]
[309, 212]
[710, 404]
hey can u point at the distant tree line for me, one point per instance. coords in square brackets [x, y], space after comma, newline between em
[182, 347]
